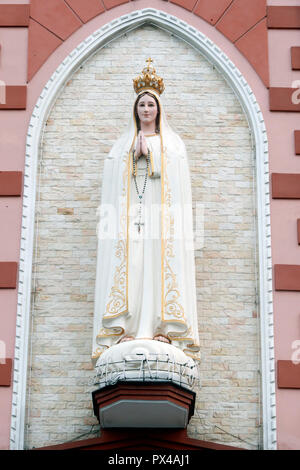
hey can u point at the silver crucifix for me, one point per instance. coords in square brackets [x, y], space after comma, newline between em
[139, 225]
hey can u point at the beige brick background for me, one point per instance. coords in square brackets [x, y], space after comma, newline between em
[88, 116]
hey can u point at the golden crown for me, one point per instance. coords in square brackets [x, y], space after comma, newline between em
[148, 79]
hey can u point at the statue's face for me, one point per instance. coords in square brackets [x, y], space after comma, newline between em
[147, 109]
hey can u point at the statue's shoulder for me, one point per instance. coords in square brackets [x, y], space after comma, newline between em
[181, 142]
[178, 146]
[118, 148]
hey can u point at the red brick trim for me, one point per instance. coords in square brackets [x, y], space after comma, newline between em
[254, 46]
[287, 277]
[113, 3]
[285, 185]
[56, 16]
[283, 17]
[211, 10]
[14, 15]
[11, 183]
[298, 230]
[288, 374]
[187, 4]
[5, 372]
[295, 58]
[16, 97]
[8, 274]
[297, 142]
[238, 19]
[63, 17]
[41, 44]
[281, 99]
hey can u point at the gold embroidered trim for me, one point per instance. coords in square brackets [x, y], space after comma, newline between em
[193, 356]
[171, 305]
[186, 336]
[118, 299]
[108, 332]
[98, 352]
[150, 172]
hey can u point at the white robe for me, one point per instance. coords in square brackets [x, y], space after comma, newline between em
[145, 285]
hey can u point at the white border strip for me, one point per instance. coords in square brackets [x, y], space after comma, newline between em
[42, 108]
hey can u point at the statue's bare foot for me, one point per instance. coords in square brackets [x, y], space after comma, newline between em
[162, 338]
[126, 338]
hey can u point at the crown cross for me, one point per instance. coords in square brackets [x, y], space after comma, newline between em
[149, 61]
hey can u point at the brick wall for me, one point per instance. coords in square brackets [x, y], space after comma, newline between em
[86, 119]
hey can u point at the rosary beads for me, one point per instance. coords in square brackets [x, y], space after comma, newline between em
[140, 195]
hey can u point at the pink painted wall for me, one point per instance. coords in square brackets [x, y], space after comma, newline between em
[13, 70]
[280, 127]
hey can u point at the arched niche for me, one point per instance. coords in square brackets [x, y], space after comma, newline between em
[219, 119]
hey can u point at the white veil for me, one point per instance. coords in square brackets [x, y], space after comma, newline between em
[168, 137]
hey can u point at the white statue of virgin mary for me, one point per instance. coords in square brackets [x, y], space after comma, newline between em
[145, 280]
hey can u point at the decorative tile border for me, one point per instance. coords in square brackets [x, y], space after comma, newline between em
[58, 19]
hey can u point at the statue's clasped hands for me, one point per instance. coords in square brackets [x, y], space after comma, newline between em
[141, 145]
